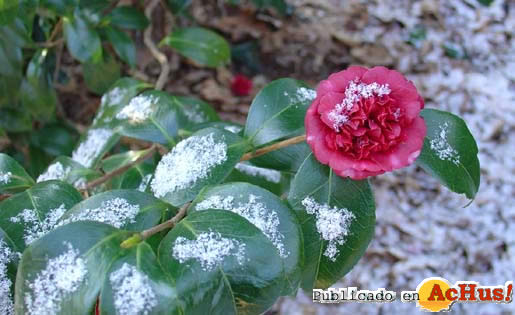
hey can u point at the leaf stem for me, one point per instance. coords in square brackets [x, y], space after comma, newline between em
[156, 53]
[138, 237]
[273, 147]
[122, 169]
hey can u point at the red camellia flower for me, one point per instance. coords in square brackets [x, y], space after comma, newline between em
[241, 85]
[364, 122]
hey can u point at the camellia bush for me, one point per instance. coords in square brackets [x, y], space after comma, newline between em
[211, 217]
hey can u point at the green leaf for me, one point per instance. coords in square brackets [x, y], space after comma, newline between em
[137, 177]
[266, 212]
[37, 93]
[287, 159]
[331, 254]
[202, 45]
[271, 180]
[8, 263]
[122, 44]
[278, 111]
[128, 17]
[55, 139]
[14, 37]
[31, 214]
[61, 7]
[93, 145]
[242, 271]
[117, 98]
[450, 152]
[486, 3]
[280, 5]
[125, 208]
[101, 75]
[15, 119]
[8, 10]
[196, 111]
[82, 39]
[178, 6]
[13, 176]
[65, 169]
[205, 158]
[78, 255]
[136, 283]
[152, 116]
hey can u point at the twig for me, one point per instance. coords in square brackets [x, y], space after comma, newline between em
[273, 147]
[58, 61]
[138, 237]
[122, 169]
[158, 55]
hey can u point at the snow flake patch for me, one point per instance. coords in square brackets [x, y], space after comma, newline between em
[268, 174]
[133, 293]
[36, 227]
[116, 212]
[303, 94]
[139, 108]
[92, 146]
[190, 160]
[443, 149]
[210, 249]
[62, 276]
[195, 114]
[6, 302]
[54, 171]
[355, 92]
[255, 212]
[144, 182]
[113, 97]
[233, 129]
[332, 224]
[5, 178]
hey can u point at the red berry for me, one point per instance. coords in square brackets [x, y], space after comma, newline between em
[241, 85]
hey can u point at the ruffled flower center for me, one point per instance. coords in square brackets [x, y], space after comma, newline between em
[367, 120]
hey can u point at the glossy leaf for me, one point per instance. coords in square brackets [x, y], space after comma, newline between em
[15, 119]
[245, 276]
[178, 6]
[8, 10]
[450, 152]
[116, 99]
[280, 5]
[82, 39]
[137, 177]
[152, 116]
[205, 158]
[54, 139]
[136, 283]
[278, 111]
[80, 254]
[65, 169]
[128, 17]
[122, 44]
[93, 145]
[197, 112]
[271, 180]
[125, 208]
[202, 45]
[328, 260]
[13, 176]
[37, 93]
[286, 159]
[101, 75]
[26, 216]
[266, 212]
